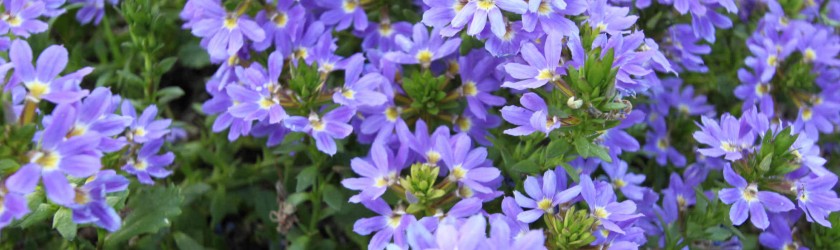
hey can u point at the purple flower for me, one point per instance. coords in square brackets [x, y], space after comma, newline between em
[616, 140]
[89, 204]
[686, 50]
[628, 183]
[542, 199]
[92, 10]
[258, 98]
[57, 156]
[14, 207]
[682, 192]
[387, 225]
[466, 165]
[605, 18]
[280, 26]
[817, 118]
[767, 56]
[602, 205]
[450, 234]
[149, 164]
[423, 144]
[510, 43]
[375, 178]
[779, 236]
[480, 11]
[532, 118]
[659, 144]
[360, 91]
[747, 200]
[817, 198]
[343, 12]
[42, 82]
[21, 18]
[540, 69]
[477, 128]
[730, 138]
[96, 116]
[324, 129]
[423, 47]
[478, 82]
[226, 31]
[552, 18]
[145, 128]
[500, 237]
[753, 91]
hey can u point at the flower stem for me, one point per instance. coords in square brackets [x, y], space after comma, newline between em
[112, 41]
[28, 112]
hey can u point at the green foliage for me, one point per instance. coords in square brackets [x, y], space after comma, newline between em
[152, 209]
[570, 230]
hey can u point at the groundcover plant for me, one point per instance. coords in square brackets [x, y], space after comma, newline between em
[419, 124]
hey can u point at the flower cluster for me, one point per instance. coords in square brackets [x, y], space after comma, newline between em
[68, 141]
[532, 103]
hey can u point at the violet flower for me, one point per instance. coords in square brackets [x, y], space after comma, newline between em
[43, 82]
[540, 69]
[389, 224]
[326, 129]
[542, 199]
[92, 10]
[376, 178]
[57, 156]
[468, 166]
[816, 197]
[730, 138]
[532, 118]
[603, 206]
[226, 30]
[21, 18]
[480, 11]
[145, 128]
[342, 13]
[746, 200]
[14, 206]
[628, 183]
[149, 164]
[280, 26]
[423, 47]
[89, 204]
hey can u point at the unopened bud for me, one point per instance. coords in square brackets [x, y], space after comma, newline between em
[574, 103]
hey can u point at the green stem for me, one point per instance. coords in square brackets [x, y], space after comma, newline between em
[112, 40]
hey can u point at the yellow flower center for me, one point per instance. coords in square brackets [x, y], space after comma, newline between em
[317, 125]
[619, 183]
[681, 200]
[810, 55]
[662, 144]
[424, 56]
[772, 60]
[544, 9]
[486, 4]
[231, 22]
[233, 60]
[391, 113]
[47, 160]
[807, 114]
[459, 172]
[350, 6]
[82, 197]
[76, 131]
[728, 147]
[464, 123]
[301, 53]
[684, 108]
[544, 204]
[601, 27]
[750, 193]
[380, 182]
[139, 132]
[762, 89]
[141, 165]
[470, 89]
[37, 89]
[432, 156]
[280, 19]
[14, 20]
[601, 213]
[349, 94]
[459, 5]
[385, 30]
[394, 221]
[266, 103]
[545, 74]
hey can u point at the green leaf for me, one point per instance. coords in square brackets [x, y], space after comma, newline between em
[7, 165]
[40, 214]
[63, 222]
[526, 166]
[764, 166]
[168, 94]
[333, 196]
[306, 178]
[166, 64]
[184, 241]
[571, 171]
[587, 149]
[193, 56]
[150, 209]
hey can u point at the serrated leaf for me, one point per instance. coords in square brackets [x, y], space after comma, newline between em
[151, 209]
[63, 222]
[333, 196]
